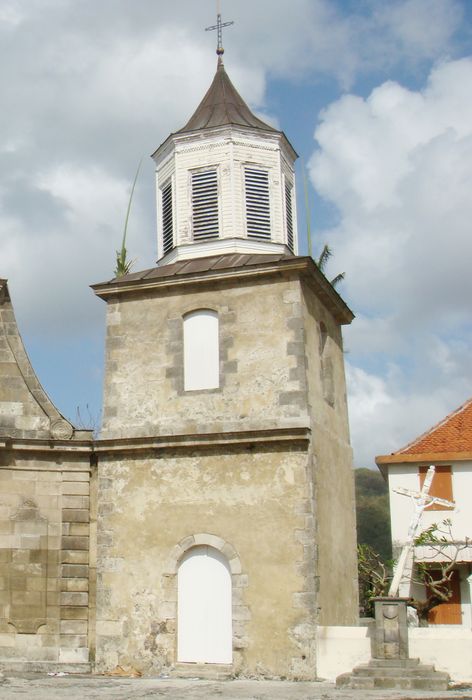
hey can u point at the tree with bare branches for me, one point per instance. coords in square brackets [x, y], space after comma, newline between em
[436, 569]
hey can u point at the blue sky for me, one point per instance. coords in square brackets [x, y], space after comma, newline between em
[374, 95]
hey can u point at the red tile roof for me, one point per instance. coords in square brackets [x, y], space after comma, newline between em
[452, 434]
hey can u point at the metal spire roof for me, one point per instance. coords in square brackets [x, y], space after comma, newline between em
[223, 105]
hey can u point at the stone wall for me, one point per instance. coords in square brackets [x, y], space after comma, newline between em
[25, 409]
[286, 513]
[262, 384]
[333, 477]
[250, 502]
[45, 577]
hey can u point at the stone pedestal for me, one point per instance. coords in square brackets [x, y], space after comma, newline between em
[390, 666]
[391, 630]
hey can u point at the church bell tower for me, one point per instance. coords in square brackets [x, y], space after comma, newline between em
[226, 526]
[225, 182]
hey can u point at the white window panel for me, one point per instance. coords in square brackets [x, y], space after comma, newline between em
[201, 350]
[204, 614]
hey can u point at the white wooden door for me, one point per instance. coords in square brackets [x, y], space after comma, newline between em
[204, 632]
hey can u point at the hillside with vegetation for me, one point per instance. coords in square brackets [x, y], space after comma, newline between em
[373, 512]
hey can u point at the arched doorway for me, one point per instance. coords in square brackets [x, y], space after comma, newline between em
[204, 632]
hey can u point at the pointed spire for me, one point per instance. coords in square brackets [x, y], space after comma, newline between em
[223, 105]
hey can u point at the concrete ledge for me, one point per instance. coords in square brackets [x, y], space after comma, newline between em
[244, 437]
[43, 667]
[447, 648]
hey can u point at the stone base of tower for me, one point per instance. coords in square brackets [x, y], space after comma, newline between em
[407, 674]
[245, 505]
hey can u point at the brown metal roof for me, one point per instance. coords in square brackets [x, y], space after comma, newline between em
[223, 105]
[228, 265]
[187, 267]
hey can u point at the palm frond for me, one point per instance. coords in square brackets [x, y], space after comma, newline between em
[326, 253]
[123, 266]
[339, 278]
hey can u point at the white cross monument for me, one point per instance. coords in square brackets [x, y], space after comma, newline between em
[421, 500]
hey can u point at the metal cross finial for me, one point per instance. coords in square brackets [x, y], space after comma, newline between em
[219, 28]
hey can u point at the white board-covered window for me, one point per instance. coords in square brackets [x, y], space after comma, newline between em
[204, 607]
[201, 350]
[167, 208]
[256, 183]
[205, 210]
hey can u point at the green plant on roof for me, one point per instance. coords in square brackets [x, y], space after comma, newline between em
[123, 265]
[326, 253]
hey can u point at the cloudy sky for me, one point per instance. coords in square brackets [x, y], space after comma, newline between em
[375, 95]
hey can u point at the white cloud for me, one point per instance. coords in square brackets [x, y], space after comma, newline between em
[385, 417]
[10, 14]
[88, 88]
[320, 37]
[398, 167]
[418, 27]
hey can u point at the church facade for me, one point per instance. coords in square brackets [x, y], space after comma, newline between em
[212, 523]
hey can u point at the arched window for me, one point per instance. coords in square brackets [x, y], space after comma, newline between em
[201, 350]
[204, 607]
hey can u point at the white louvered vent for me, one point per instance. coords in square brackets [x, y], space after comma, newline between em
[205, 205]
[289, 214]
[167, 219]
[257, 203]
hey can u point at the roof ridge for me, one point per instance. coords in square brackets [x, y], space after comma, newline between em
[435, 427]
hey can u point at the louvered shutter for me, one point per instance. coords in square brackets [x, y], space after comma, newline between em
[289, 214]
[167, 219]
[205, 205]
[257, 203]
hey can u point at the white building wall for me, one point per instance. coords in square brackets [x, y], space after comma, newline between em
[402, 507]
[449, 649]
[401, 512]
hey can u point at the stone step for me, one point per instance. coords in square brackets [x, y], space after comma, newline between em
[395, 683]
[205, 671]
[390, 674]
[420, 670]
[11, 666]
[402, 663]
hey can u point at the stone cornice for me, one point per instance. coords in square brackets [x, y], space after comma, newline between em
[45, 446]
[245, 438]
[303, 266]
